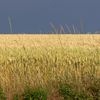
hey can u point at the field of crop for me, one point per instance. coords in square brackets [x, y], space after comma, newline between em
[65, 67]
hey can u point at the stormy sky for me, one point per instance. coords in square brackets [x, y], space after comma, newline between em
[34, 16]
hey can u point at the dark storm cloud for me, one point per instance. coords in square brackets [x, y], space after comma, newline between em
[35, 15]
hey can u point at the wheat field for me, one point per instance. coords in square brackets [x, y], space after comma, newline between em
[48, 60]
[50, 40]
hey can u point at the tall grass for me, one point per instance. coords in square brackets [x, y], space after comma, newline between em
[48, 68]
[10, 24]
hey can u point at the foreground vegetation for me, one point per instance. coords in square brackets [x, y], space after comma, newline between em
[56, 72]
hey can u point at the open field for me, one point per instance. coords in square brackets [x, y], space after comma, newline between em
[50, 62]
[50, 40]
